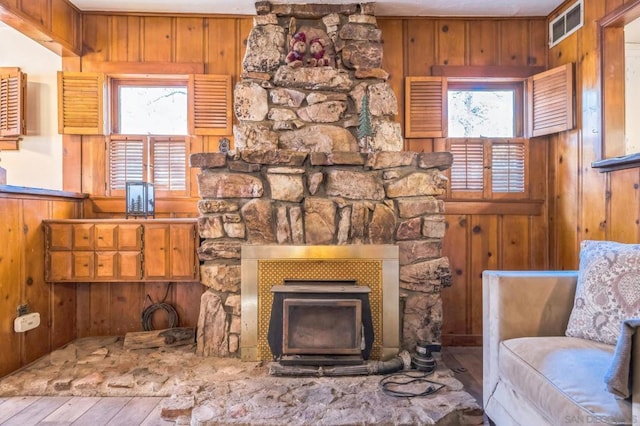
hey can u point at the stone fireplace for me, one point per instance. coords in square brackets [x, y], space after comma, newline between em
[317, 167]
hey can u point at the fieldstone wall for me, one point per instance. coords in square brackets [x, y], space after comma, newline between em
[306, 71]
[294, 197]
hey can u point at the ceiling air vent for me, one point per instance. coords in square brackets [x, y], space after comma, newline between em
[566, 24]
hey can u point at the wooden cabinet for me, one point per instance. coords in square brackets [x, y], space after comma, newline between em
[121, 250]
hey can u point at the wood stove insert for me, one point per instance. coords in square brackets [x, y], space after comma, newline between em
[320, 322]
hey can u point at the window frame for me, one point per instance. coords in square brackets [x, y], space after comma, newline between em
[518, 85]
[115, 82]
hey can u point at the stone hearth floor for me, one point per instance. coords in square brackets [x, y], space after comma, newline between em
[208, 391]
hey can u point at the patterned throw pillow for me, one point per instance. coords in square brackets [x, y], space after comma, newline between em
[608, 290]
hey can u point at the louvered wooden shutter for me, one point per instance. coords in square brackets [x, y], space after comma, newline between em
[467, 169]
[508, 162]
[81, 103]
[426, 107]
[169, 159]
[13, 99]
[551, 101]
[210, 104]
[126, 161]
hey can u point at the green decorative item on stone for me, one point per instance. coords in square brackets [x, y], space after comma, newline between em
[364, 128]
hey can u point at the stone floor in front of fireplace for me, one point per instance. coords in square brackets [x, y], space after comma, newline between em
[206, 390]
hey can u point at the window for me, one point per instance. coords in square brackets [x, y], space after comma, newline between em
[484, 122]
[149, 135]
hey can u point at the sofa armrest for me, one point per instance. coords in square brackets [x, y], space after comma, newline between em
[522, 304]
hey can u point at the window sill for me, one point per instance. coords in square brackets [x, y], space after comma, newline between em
[617, 163]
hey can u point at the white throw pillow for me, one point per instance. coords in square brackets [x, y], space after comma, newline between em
[608, 290]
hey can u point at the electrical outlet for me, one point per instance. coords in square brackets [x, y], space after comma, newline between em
[22, 310]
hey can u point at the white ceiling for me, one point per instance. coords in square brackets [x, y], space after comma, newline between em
[504, 8]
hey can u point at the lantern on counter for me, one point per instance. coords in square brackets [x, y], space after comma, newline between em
[140, 199]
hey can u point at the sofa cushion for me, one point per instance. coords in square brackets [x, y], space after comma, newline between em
[564, 378]
[608, 290]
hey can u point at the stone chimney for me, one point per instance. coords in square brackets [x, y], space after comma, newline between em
[318, 160]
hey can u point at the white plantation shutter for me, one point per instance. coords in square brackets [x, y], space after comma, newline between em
[126, 162]
[467, 170]
[169, 164]
[508, 167]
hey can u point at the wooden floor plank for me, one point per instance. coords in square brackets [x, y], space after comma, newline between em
[71, 410]
[135, 411]
[102, 412]
[12, 406]
[154, 418]
[38, 410]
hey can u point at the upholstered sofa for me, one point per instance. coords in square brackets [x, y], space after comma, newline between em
[533, 373]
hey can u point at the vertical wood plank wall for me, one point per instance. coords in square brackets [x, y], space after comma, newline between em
[22, 279]
[475, 240]
[585, 204]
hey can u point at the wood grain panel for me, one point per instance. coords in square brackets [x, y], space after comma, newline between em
[484, 256]
[420, 38]
[483, 49]
[515, 243]
[189, 45]
[126, 307]
[119, 38]
[455, 299]
[538, 31]
[11, 289]
[624, 206]
[95, 38]
[158, 39]
[37, 292]
[64, 22]
[223, 46]
[451, 42]
[514, 42]
[38, 11]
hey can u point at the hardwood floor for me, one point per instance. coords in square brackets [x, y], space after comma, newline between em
[90, 411]
[466, 363]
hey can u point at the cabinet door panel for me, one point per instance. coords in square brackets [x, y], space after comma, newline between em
[60, 236]
[130, 265]
[59, 266]
[129, 237]
[82, 265]
[156, 254]
[106, 235]
[106, 265]
[83, 236]
[182, 251]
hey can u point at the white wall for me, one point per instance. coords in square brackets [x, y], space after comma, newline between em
[38, 162]
[632, 100]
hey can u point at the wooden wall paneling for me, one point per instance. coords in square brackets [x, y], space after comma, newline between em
[483, 42]
[37, 292]
[119, 38]
[624, 206]
[189, 39]
[187, 303]
[484, 256]
[100, 314]
[420, 41]
[37, 10]
[63, 314]
[514, 42]
[393, 60]
[11, 289]
[538, 46]
[96, 39]
[515, 242]
[83, 310]
[451, 42]
[94, 165]
[538, 161]
[126, 307]
[134, 37]
[158, 39]
[539, 246]
[222, 47]
[64, 21]
[593, 221]
[455, 298]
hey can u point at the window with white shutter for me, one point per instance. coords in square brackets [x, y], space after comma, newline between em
[126, 161]
[169, 164]
[508, 167]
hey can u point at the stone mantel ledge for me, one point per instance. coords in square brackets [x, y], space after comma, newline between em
[374, 161]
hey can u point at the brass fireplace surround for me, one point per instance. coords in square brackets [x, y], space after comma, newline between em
[263, 266]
